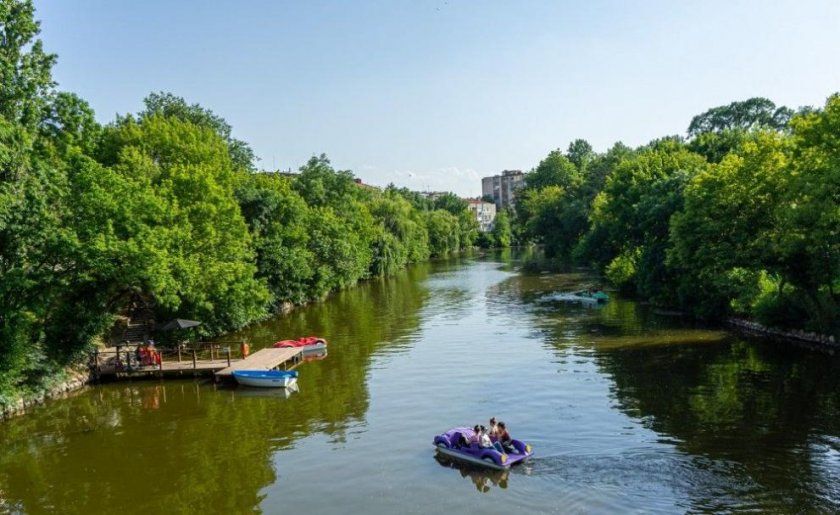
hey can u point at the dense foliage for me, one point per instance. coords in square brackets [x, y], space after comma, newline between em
[166, 208]
[742, 218]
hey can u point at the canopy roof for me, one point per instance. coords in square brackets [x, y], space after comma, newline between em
[178, 323]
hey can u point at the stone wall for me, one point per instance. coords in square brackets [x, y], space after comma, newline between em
[77, 378]
[822, 341]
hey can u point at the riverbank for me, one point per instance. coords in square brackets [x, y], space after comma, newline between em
[63, 384]
[815, 341]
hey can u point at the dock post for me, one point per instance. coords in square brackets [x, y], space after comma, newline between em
[194, 365]
[97, 370]
[228, 355]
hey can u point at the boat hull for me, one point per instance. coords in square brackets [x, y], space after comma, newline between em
[468, 458]
[265, 378]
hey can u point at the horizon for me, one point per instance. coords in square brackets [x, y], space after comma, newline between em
[433, 96]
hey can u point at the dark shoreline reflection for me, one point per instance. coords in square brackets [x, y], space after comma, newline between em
[762, 418]
[773, 411]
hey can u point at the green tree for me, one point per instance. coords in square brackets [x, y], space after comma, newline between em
[210, 258]
[810, 239]
[749, 114]
[69, 121]
[25, 69]
[580, 153]
[631, 215]
[502, 231]
[725, 234]
[444, 230]
[277, 218]
[169, 105]
[555, 170]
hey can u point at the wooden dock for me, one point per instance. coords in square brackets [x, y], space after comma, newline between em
[265, 359]
[215, 360]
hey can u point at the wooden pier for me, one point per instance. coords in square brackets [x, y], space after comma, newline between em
[215, 359]
[265, 359]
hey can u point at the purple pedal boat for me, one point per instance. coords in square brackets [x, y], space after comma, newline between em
[451, 443]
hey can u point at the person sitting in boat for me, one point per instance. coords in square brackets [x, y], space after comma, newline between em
[474, 439]
[505, 441]
[493, 429]
[484, 439]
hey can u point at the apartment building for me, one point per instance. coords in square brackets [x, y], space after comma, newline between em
[484, 212]
[503, 187]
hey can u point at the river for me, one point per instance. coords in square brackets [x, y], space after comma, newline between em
[627, 410]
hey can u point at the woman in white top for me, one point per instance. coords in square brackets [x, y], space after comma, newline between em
[484, 438]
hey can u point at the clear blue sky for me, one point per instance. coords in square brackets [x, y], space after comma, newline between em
[437, 94]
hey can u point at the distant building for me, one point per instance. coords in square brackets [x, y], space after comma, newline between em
[433, 195]
[503, 187]
[485, 213]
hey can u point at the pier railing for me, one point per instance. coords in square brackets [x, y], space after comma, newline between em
[129, 359]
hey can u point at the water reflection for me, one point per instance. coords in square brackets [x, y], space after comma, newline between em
[210, 448]
[629, 412]
[276, 393]
[758, 406]
[758, 423]
[483, 478]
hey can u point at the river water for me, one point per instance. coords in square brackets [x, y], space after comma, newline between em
[628, 411]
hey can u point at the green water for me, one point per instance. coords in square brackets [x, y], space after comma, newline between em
[628, 411]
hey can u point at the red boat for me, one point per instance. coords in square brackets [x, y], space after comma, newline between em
[309, 344]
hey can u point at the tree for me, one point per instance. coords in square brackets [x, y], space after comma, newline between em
[209, 255]
[25, 69]
[277, 218]
[555, 170]
[167, 104]
[580, 153]
[722, 241]
[502, 232]
[749, 114]
[69, 121]
[631, 216]
[443, 230]
[810, 239]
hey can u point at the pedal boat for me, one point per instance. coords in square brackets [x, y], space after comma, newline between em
[448, 444]
[310, 344]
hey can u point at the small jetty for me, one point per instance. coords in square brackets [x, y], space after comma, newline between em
[217, 359]
[265, 359]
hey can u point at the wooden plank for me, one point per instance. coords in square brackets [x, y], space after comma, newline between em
[263, 359]
[167, 367]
